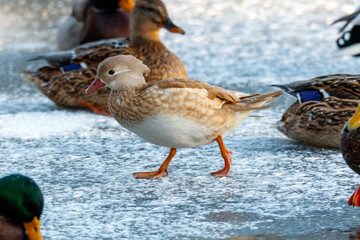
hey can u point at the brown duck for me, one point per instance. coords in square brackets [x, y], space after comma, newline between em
[324, 105]
[176, 112]
[350, 149]
[93, 20]
[65, 80]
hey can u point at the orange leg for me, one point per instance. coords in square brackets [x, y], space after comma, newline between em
[227, 158]
[159, 173]
[94, 108]
[354, 200]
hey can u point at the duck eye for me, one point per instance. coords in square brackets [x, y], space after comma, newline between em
[111, 72]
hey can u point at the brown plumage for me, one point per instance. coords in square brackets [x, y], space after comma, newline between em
[67, 88]
[9, 230]
[324, 105]
[175, 112]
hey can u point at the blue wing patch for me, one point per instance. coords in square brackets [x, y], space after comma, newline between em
[306, 96]
[71, 67]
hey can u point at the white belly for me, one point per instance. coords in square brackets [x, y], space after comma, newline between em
[173, 131]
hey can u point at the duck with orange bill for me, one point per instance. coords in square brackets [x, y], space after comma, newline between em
[69, 73]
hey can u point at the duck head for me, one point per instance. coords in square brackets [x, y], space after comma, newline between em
[148, 17]
[21, 201]
[119, 72]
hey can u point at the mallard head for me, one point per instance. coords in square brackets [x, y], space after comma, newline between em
[21, 201]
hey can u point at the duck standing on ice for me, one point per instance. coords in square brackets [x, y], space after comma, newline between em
[176, 112]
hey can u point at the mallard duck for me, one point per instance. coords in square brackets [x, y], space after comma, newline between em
[349, 38]
[176, 112]
[323, 107]
[21, 204]
[350, 149]
[93, 20]
[71, 72]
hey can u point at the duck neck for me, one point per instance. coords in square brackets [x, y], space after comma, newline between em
[152, 45]
[128, 92]
[132, 83]
[137, 35]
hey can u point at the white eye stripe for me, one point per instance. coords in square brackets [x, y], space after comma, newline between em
[113, 72]
[123, 70]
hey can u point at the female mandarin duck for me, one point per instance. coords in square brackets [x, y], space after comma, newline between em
[175, 112]
[71, 72]
[21, 204]
[93, 20]
[324, 105]
[350, 149]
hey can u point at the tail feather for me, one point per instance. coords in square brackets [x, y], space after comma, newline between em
[246, 106]
[57, 59]
[29, 76]
[249, 96]
[266, 98]
[256, 102]
[41, 76]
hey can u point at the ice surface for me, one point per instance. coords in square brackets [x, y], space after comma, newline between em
[277, 188]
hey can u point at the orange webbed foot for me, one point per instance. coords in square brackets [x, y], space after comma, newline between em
[160, 172]
[96, 109]
[227, 159]
[221, 173]
[151, 175]
[224, 171]
[354, 200]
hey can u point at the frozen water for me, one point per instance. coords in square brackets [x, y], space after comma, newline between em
[277, 188]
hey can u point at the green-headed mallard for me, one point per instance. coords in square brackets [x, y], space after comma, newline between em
[324, 105]
[174, 113]
[71, 72]
[350, 149]
[21, 204]
[93, 20]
